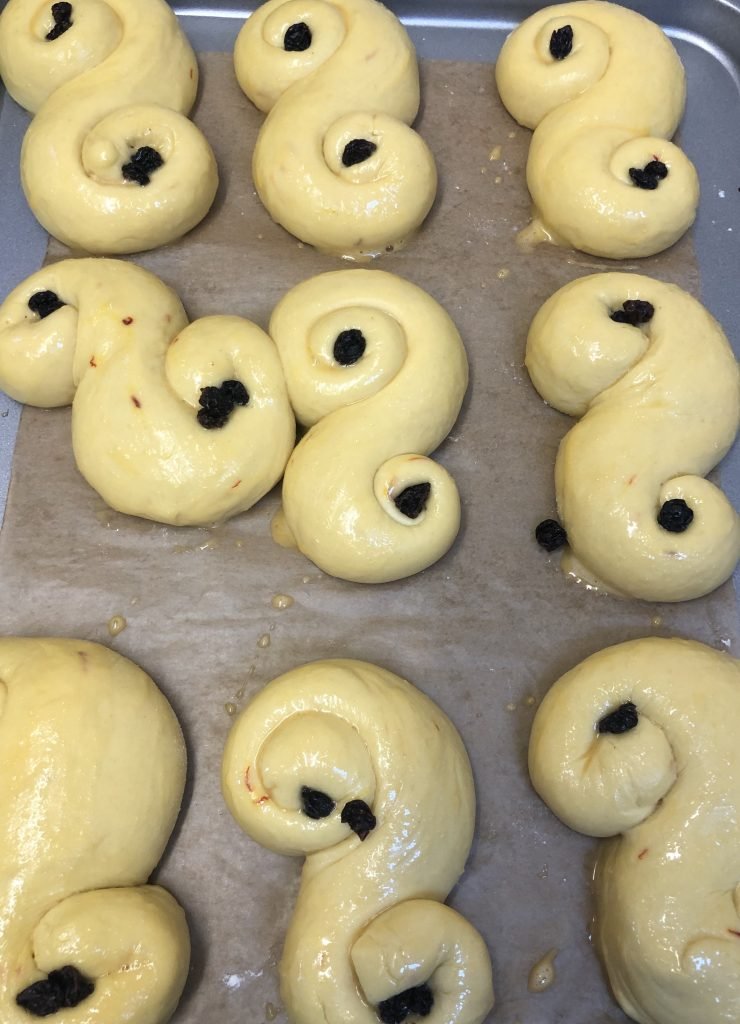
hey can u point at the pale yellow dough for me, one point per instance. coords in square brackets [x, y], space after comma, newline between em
[608, 106]
[123, 76]
[93, 768]
[668, 905]
[369, 921]
[122, 352]
[368, 420]
[660, 406]
[358, 80]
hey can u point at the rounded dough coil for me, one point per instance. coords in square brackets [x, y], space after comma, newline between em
[120, 79]
[369, 922]
[606, 107]
[93, 767]
[357, 80]
[345, 478]
[122, 352]
[668, 790]
[659, 406]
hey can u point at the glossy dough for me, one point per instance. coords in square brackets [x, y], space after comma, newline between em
[122, 352]
[668, 911]
[660, 406]
[120, 78]
[608, 106]
[369, 921]
[357, 80]
[367, 419]
[93, 768]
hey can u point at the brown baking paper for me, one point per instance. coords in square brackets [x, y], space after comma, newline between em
[484, 632]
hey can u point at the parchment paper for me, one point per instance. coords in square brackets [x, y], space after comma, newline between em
[484, 632]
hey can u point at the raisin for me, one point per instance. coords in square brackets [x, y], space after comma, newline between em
[675, 515]
[418, 1001]
[412, 500]
[236, 392]
[62, 15]
[621, 720]
[43, 304]
[141, 165]
[61, 990]
[357, 150]
[359, 817]
[650, 175]
[550, 535]
[634, 312]
[349, 346]
[561, 42]
[657, 169]
[316, 804]
[297, 37]
[218, 403]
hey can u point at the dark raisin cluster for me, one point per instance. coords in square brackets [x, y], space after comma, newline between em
[412, 500]
[650, 175]
[561, 42]
[62, 15]
[675, 515]
[634, 312]
[621, 720]
[61, 990]
[297, 37]
[142, 165]
[315, 804]
[218, 403]
[417, 1001]
[349, 346]
[359, 817]
[357, 150]
[550, 535]
[45, 303]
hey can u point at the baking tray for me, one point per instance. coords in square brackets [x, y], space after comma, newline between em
[484, 636]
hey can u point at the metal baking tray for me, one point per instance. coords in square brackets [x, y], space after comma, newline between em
[533, 872]
[706, 34]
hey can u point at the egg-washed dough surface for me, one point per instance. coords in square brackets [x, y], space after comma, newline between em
[93, 766]
[120, 351]
[357, 82]
[645, 436]
[603, 107]
[488, 627]
[665, 789]
[121, 82]
[370, 922]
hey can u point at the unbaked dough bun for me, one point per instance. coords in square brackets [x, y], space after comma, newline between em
[92, 763]
[335, 162]
[639, 742]
[659, 401]
[110, 163]
[377, 369]
[604, 90]
[181, 423]
[352, 767]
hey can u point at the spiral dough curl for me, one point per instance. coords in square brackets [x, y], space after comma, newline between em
[110, 164]
[93, 768]
[640, 742]
[604, 90]
[378, 370]
[352, 767]
[657, 386]
[182, 423]
[335, 162]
